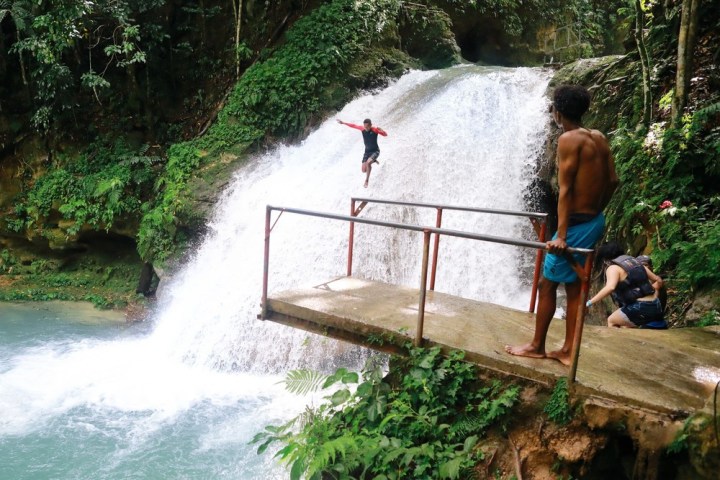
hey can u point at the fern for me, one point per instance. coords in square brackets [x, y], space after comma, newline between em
[377, 431]
[327, 453]
[303, 382]
[712, 109]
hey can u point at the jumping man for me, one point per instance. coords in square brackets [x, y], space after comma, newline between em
[587, 180]
[372, 151]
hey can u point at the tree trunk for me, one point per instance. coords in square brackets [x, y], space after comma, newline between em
[644, 63]
[237, 11]
[203, 27]
[686, 44]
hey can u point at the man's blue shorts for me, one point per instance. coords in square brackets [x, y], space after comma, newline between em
[582, 235]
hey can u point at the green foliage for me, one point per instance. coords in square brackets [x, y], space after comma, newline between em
[675, 165]
[709, 319]
[678, 165]
[102, 185]
[47, 39]
[680, 442]
[558, 407]
[274, 97]
[106, 279]
[424, 427]
[597, 23]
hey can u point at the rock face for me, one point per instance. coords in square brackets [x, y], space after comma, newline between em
[430, 40]
[706, 304]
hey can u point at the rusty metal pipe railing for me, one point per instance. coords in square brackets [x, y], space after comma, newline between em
[538, 264]
[419, 228]
[580, 318]
[538, 219]
[354, 212]
[454, 207]
[423, 289]
[427, 231]
[351, 239]
[266, 261]
[438, 224]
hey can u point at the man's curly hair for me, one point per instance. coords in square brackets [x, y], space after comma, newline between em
[572, 101]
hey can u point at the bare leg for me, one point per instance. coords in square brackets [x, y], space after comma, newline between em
[368, 169]
[617, 319]
[573, 302]
[546, 310]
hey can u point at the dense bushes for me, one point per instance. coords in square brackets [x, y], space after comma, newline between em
[275, 97]
[107, 182]
[671, 191]
[669, 200]
[424, 425]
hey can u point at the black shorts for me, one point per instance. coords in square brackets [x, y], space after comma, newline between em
[372, 155]
[641, 313]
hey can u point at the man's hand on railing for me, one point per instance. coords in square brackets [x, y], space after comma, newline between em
[557, 246]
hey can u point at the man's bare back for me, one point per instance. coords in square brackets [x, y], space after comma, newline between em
[594, 175]
[586, 181]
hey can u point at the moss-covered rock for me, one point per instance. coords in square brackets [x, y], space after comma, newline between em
[605, 77]
[429, 38]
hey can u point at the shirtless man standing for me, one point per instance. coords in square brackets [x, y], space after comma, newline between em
[587, 180]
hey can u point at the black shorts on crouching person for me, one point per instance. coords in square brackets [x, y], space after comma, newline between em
[643, 313]
[371, 156]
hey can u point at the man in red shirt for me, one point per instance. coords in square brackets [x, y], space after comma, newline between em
[372, 150]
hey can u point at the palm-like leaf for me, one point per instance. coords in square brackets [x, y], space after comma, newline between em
[303, 382]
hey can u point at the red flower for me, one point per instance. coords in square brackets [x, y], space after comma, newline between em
[666, 204]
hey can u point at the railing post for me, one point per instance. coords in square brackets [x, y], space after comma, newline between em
[438, 224]
[580, 321]
[266, 262]
[538, 265]
[423, 288]
[351, 240]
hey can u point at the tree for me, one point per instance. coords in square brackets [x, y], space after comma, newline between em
[237, 17]
[20, 12]
[686, 45]
[644, 61]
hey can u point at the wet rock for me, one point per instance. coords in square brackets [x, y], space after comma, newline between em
[703, 304]
[430, 39]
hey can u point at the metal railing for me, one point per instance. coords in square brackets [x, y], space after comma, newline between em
[583, 272]
[538, 220]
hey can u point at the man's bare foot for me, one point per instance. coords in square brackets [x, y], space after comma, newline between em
[560, 356]
[527, 350]
[366, 184]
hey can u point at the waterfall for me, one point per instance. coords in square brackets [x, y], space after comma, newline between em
[463, 136]
[204, 371]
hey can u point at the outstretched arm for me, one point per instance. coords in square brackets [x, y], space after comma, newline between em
[379, 131]
[351, 125]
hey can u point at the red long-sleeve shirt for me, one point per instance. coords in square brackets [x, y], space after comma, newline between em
[377, 130]
[369, 136]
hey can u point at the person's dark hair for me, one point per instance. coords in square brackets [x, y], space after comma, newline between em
[572, 101]
[608, 251]
[367, 120]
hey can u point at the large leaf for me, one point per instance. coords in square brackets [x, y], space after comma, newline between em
[303, 382]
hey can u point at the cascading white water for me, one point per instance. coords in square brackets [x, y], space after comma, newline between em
[464, 136]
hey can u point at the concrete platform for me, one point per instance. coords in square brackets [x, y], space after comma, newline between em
[670, 372]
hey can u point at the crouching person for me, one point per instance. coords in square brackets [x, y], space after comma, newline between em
[634, 288]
